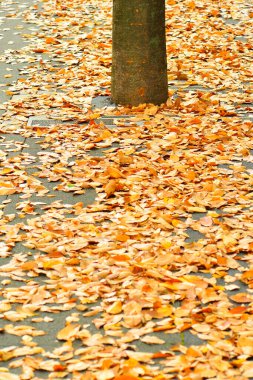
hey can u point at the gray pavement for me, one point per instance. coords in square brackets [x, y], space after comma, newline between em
[30, 151]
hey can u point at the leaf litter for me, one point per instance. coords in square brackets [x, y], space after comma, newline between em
[122, 269]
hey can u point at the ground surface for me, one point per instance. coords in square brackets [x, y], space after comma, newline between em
[126, 234]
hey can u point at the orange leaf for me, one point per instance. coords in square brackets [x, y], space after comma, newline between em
[110, 187]
[247, 276]
[104, 135]
[238, 310]
[195, 120]
[7, 188]
[193, 351]
[121, 237]
[175, 222]
[68, 332]
[59, 368]
[49, 264]
[50, 40]
[221, 147]
[222, 260]
[166, 244]
[151, 110]
[246, 344]
[191, 175]
[191, 5]
[242, 298]
[113, 172]
[29, 265]
[168, 326]
[126, 377]
[174, 157]
[107, 363]
[124, 159]
[163, 311]
[6, 171]
[39, 50]
[121, 258]
[115, 308]
[159, 355]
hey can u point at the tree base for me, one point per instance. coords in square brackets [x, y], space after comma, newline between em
[139, 65]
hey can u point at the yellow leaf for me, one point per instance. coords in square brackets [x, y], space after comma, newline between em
[51, 263]
[175, 222]
[151, 110]
[5, 171]
[7, 188]
[110, 187]
[124, 159]
[166, 244]
[169, 201]
[105, 135]
[246, 344]
[4, 306]
[174, 157]
[113, 172]
[196, 209]
[68, 332]
[229, 240]
[29, 265]
[163, 311]
[115, 308]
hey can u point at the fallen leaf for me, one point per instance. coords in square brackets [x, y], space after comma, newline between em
[148, 339]
[115, 308]
[242, 298]
[110, 187]
[68, 332]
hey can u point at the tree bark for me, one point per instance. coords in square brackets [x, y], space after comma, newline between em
[139, 64]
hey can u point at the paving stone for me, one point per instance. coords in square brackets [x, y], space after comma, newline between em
[33, 147]
[102, 101]
[193, 235]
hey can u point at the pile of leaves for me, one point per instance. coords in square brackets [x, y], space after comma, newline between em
[123, 268]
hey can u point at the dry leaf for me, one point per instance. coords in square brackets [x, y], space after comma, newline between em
[113, 172]
[110, 187]
[115, 308]
[242, 298]
[68, 332]
[148, 339]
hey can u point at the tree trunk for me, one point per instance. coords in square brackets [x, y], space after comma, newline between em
[139, 65]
